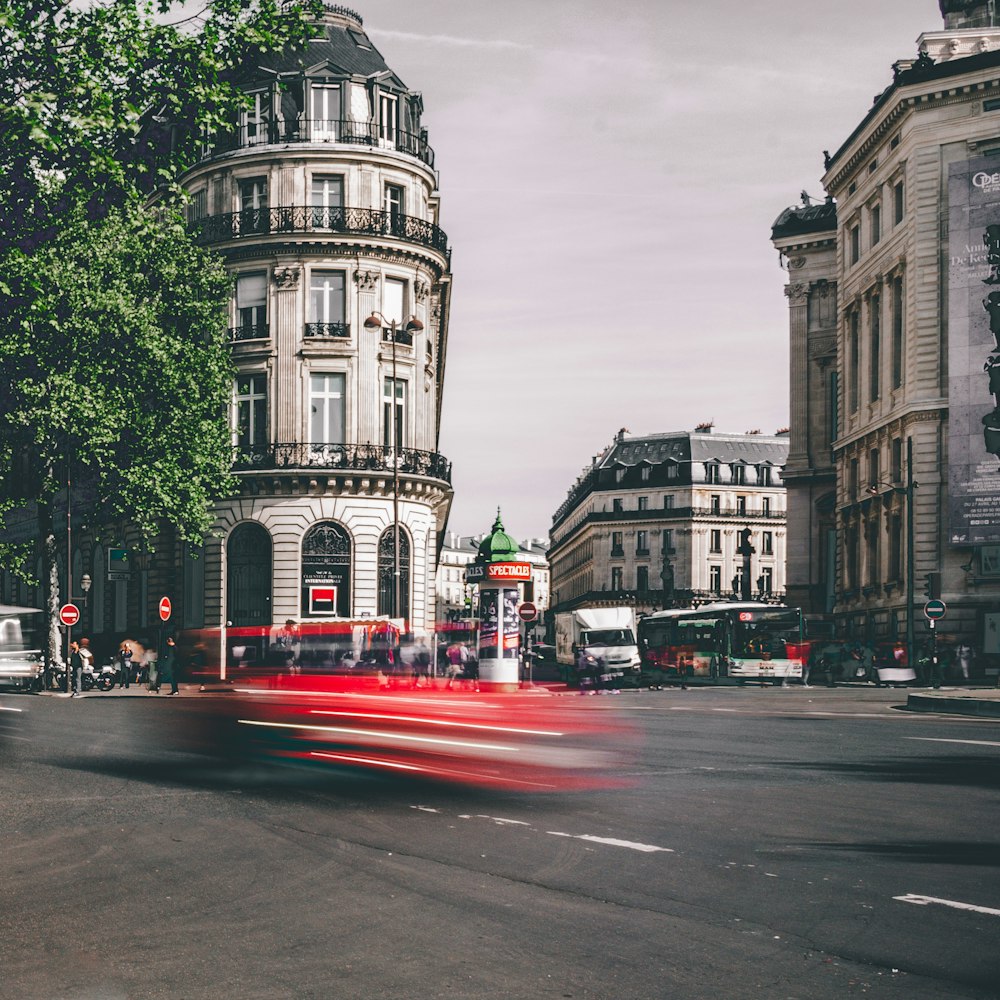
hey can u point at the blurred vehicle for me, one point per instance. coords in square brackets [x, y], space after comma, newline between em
[20, 648]
[524, 741]
[607, 634]
[544, 652]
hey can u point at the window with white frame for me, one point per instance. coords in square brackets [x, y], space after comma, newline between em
[326, 304]
[255, 119]
[326, 196]
[394, 413]
[643, 503]
[254, 214]
[394, 300]
[250, 411]
[251, 304]
[715, 579]
[766, 543]
[326, 407]
[712, 472]
[715, 540]
[616, 578]
[324, 111]
[388, 118]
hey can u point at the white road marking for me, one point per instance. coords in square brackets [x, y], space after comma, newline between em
[612, 842]
[932, 739]
[425, 809]
[495, 819]
[954, 904]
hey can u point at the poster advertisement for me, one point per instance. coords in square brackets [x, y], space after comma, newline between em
[511, 624]
[974, 352]
[488, 624]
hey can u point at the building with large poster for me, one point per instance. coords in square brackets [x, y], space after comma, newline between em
[909, 390]
[323, 200]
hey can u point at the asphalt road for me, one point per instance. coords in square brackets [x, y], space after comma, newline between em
[769, 843]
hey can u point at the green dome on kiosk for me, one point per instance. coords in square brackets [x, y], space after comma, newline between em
[498, 546]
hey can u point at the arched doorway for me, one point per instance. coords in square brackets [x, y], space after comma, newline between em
[326, 571]
[248, 576]
[386, 574]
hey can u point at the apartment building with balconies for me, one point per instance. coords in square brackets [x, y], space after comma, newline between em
[655, 521]
[322, 199]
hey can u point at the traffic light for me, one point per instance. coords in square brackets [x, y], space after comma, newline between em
[932, 586]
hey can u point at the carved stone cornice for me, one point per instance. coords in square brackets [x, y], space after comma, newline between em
[797, 292]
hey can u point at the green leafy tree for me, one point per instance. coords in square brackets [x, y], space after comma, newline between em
[113, 357]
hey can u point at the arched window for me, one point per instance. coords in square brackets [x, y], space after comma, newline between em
[326, 571]
[248, 575]
[387, 574]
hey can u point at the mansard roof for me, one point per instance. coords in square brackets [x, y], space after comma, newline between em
[692, 446]
[801, 220]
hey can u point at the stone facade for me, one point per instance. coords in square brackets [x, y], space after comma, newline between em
[655, 521]
[889, 180]
[323, 201]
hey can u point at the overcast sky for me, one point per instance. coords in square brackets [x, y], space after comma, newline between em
[609, 176]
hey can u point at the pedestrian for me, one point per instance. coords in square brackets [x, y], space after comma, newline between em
[290, 642]
[124, 664]
[964, 655]
[166, 666]
[75, 669]
[86, 654]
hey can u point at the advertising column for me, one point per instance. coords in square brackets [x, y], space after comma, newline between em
[499, 624]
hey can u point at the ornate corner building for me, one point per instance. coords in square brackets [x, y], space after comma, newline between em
[893, 479]
[323, 200]
[655, 521]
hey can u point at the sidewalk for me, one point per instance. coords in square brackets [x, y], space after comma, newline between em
[956, 701]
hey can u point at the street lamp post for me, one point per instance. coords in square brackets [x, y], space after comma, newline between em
[906, 491]
[378, 322]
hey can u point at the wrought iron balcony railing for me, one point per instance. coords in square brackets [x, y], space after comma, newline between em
[308, 219]
[344, 132]
[341, 457]
[259, 331]
[319, 330]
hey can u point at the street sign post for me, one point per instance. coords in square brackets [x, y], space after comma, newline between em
[69, 614]
[933, 610]
[165, 609]
[527, 612]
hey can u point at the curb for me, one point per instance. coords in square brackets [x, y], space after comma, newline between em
[953, 704]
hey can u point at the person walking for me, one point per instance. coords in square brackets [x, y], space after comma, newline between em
[75, 669]
[964, 655]
[167, 666]
[124, 665]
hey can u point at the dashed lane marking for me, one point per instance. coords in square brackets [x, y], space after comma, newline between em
[954, 904]
[933, 739]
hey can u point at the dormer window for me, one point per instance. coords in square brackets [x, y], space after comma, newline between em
[739, 473]
[324, 112]
[255, 120]
[388, 118]
[711, 472]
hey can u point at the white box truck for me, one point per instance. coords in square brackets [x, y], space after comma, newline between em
[605, 633]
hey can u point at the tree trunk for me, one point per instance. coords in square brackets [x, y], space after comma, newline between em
[49, 584]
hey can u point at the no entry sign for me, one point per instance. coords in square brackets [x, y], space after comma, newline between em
[165, 608]
[69, 614]
[527, 612]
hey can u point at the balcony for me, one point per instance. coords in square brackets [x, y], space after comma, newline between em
[322, 131]
[309, 220]
[320, 331]
[258, 331]
[341, 458]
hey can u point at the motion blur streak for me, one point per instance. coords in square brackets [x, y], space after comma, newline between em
[376, 734]
[527, 740]
[439, 722]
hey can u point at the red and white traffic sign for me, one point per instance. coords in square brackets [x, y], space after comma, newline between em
[69, 614]
[527, 612]
[165, 608]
